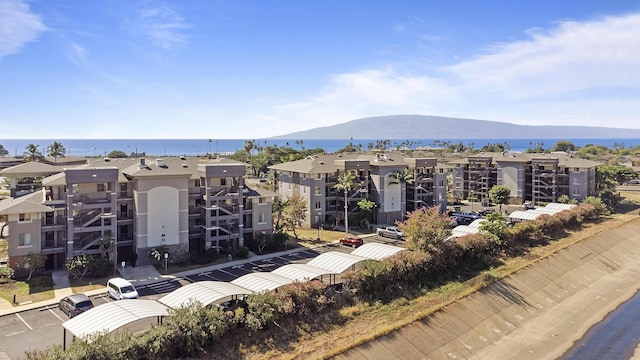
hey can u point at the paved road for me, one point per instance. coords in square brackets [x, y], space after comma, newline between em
[41, 328]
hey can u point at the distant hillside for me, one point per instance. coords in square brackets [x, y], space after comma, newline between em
[436, 127]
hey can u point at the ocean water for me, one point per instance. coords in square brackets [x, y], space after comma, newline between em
[195, 147]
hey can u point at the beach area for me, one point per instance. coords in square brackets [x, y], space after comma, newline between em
[539, 312]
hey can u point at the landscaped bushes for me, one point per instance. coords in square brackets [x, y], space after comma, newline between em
[194, 330]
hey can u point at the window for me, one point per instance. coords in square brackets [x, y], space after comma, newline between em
[318, 206]
[576, 192]
[319, 176]
[100, 187]
[304, 189]
[441, 183]
[223, 181]
[24, 217]
[262, 218]
[317, 190]
[24, 240]
[262, 200]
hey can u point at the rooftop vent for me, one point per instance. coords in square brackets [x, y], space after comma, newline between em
[183, 157]
[160, 163]
[106, 159]
[185, 165]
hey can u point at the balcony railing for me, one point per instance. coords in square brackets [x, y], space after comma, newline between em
[91, 198]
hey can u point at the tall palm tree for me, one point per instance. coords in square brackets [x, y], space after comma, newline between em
[345, 183]
[402, 177]
[32, 153]
[56, 150]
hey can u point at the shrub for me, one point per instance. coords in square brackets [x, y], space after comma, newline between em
[262, 310]
[6, 274]
[100, 267]
[242, 252]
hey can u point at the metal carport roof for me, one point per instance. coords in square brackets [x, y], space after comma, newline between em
[300, 272]
[376, 251]
[476, 223]
[205, 292]
[111, 316]
[545, 211]
[524, 215]
[261, 281]
[336, 262]
[560, 206]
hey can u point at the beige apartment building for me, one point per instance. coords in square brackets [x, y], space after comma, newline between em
[530, 177]
[314, 178]
[186, 204]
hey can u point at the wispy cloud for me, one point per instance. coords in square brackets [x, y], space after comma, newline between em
[18, 26]
[77, 54]
[163, 25]
[579, 73]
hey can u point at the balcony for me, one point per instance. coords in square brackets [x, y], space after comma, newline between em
[91, 198]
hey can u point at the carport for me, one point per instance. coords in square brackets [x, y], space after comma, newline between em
[301, 272]
[261, 281]
[205, 292]
[336, 262]
[377, 251]
[524, 215]
[109, 317]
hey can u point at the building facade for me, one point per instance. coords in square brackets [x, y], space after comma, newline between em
[539, 178]
[381, 178]
[124, 208]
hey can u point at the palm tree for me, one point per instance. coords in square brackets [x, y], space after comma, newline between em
[402, 177]
[56, 150]
[31, 153]
[345, 183]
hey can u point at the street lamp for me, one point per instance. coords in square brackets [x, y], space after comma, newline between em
[319, 224]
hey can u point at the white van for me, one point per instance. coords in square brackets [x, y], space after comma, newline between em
[119, 289]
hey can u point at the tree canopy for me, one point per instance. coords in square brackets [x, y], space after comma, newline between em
[499, 194]
[426, 227]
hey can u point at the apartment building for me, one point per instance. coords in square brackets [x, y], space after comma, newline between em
[186, 204]
[530, 177]
[375, 178]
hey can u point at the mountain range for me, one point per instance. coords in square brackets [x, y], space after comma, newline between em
[437, 127]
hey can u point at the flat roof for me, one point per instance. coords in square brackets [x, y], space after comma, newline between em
[204, 292]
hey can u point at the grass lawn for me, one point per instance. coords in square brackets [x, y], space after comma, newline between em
[39, 288]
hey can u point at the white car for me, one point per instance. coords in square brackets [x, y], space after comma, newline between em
[120, 289]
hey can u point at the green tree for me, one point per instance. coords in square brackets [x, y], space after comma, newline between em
[402, 177]
[3, 151]
[496, 227]
[117, 154]
[56, 150]
[564, 145]
[608, 177]
[368, 207]
[565, 199]
[32, 153]
[278, 213]
[32, 262]
[426, 227]
[78, 266]
[499, 194]
[295, 212]
[344, 184]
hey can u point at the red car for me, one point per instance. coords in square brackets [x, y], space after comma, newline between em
[351, 241]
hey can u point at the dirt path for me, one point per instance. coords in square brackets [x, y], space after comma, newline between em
[535, 313]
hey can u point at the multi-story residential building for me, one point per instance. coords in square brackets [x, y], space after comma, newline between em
[375, 178]
[185, 204]
[530, 177]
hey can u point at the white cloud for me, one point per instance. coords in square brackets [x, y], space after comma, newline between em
[18, 26]
[163, 25]
[577, 73]
[76, 54]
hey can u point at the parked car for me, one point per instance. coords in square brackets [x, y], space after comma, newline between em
[485, 212]
[390, 231]
[528, 206]
[75, 304]
[351, 241]
[119, 289]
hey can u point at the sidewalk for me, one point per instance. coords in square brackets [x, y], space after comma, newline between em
[140, 275]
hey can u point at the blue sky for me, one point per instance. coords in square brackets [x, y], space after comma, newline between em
[239, 69]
